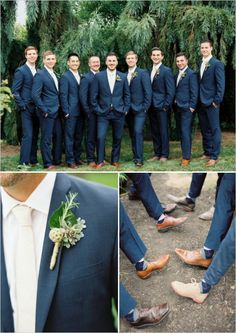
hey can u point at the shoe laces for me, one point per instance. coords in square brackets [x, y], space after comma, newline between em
[194, 281]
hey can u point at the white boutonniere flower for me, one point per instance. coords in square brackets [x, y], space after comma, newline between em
[66, 228]
[133, 75]
[118, 78]
[207, 65]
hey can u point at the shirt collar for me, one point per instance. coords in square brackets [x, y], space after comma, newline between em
[94, 72]
[75, 73]
[111, 72]
[156, 67]
[132, 70]
[49, 70]
[183, 70]
[42, 191]
[207, 59]
[32, 67]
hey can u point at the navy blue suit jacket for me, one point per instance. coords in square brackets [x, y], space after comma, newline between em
[45, 93]
[69, 94]
[163, 89]
[140, 90]
[102, 98]
[22, 87]
[186, 94]
[76, 296]
[212, 83]
[85, 91]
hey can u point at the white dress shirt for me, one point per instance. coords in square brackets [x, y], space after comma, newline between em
[181, 71]
[203, 65]
[76, 75]
[130, 73]
[111, 75]
[53, 75]
[154, 70]
[39, 201]
[32, 68]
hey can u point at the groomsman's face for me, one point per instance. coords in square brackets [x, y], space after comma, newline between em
[50, 61]
[206, 49]
[181, 62]
[111, 62]
[94, 64]
[73, 63]
[131, 60]
[31, 56]
[156, 57]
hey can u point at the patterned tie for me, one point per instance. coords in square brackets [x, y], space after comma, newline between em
[26, 278]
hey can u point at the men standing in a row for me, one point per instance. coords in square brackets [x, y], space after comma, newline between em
[45, 94]
[85, 98]
[70, 104]
[111, 102]
[163, 91]
[186, 99]
[212, 86]
[141, 97]
[21, 89]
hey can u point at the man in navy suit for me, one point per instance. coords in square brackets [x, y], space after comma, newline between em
[70, 104]
[141, 96]
[85, 90]
[186, 98]
[212, 86]
[45, 94]
[21, 90]
[163, 91]
[76, 296]
[110, 99]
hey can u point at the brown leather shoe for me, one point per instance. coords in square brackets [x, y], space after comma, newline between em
[51, 167]
[152, 316]
[100, 165]
[163, 159]
[92, 164]
[154, 158]
[116, 164]
[211, 163]
[168, 208]
[153, 266]
[72, 166]
[170, 222]
[185, 163]
[204, 157]
[193, 257]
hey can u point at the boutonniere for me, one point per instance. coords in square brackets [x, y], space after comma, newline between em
[183, 75]
[118, 78]
[207, 65]
[157, 72]
[133, 75]
[66, 228]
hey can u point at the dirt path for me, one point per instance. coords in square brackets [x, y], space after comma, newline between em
[216, 314]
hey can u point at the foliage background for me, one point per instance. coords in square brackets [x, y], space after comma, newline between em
[96, 27]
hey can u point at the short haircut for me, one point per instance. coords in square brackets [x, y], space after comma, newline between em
[29, 48]
[207, 41]
[131, 53]
[157, 49]
[72, 54]
[47, 53]
[181, 54]
[111, 54]
[93, 56]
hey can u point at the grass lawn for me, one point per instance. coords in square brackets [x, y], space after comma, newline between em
[10, 157]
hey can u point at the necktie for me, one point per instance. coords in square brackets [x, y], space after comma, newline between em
[25, 265]
[153, 73]
[129, 77]
[111, 81]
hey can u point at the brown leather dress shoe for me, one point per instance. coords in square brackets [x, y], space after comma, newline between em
[100, 165]
[170, 222]
[153, 266]
[116, 164]
[152, 316]
[193, 257]
[168, 208]
[185, 162]
[211, 163]
[154, 158]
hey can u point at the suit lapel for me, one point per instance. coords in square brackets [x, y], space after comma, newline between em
[28, 70]
[51, 79]
[107, 82]
[73, 77]
[47, 280]
[6, 308]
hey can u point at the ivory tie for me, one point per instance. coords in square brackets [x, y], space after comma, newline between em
[26, 278]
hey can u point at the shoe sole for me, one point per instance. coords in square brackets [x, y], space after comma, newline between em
[153, 324]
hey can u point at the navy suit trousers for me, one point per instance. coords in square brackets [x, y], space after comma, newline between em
[146, 193]
[136, 121]
[29, 141]
[73, 138]
[117, 121]
[51, 140]
[127, 302]
[91, 136]
[224, 258]
[159, 129]
[224, 210]
[185, 121]
[209, 119]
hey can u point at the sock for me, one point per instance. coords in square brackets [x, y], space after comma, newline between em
[190, 200]
[208, 253]
[132, 315]
[205, 287]
[161, 218]
[141, 265]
